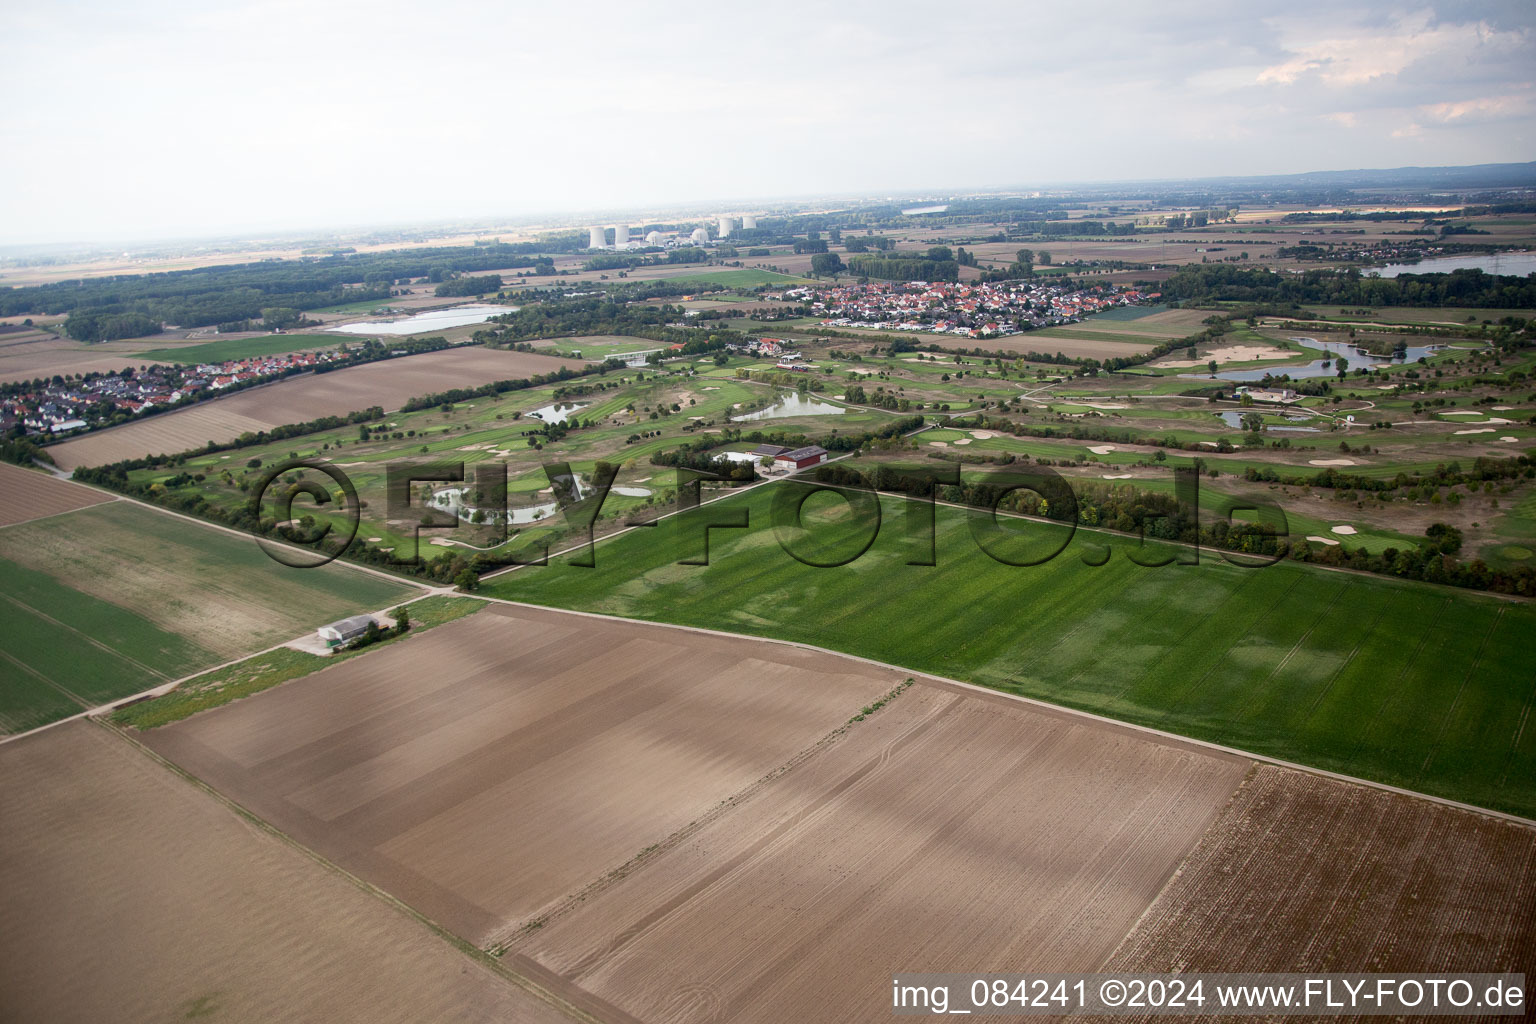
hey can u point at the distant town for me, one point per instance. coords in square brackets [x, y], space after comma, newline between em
[970, 310]
[62, 404]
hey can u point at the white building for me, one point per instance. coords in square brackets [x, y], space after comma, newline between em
[596, 239]
[748, 222]
[725, 227]
[344, 631]
[621, 236]
[700, 236]
[653, 238]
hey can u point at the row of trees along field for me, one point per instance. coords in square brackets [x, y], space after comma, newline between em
[206, 296]
[1223, 282]
[612, 313]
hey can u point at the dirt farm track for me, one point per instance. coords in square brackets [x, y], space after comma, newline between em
[666, 825]
[388, 384]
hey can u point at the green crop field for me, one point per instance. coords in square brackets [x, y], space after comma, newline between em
[66, 651]
[241, 348]
[113, 600]
[737, 278]
[1409, 684]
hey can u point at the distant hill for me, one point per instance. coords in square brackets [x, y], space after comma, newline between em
[1472, 176]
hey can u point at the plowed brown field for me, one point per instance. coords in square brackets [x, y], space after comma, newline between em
[1304, 873]
[673, 827]
[389, 384]
[949, 830]
[493, 765]
[27, 494]
[132, 895]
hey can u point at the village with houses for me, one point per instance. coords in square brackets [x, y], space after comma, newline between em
[62, 405]
[973, 310]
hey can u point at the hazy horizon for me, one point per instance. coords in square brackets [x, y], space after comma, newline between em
[179, 121]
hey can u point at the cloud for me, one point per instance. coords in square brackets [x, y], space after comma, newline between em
[170, 117]
[1484, 108]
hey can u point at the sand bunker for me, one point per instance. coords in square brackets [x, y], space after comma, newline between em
[1344, 529]
[1100, 405]
[1502, 408]
[1333, 462]
[1462, 412]
[373, 539]
[1101, 449]
[983, 435]
[1232, 354]
[938, 444]
[1324, 540]
[1117, 476]
[963, 440]
[1483, 430]
[710, 389]
[1509, 439]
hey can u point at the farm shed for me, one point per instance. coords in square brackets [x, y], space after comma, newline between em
[344, 631]
[799, 458]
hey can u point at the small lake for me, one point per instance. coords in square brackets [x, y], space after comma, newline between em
[793, 405]
[1517, 263]
[1234, 419]
[1325, 367]
[557, 413]
[633, 492]
[432, 320]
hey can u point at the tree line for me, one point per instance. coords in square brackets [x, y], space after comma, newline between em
[1224, 282]
[205, 296]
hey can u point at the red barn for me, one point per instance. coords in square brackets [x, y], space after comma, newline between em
[799, 458]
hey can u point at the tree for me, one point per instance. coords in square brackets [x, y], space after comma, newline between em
[1045, 258]
[467, 580]
[1211, 366]
[827, 263]
[402, 616]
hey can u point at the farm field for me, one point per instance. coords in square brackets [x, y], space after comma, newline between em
[946, 829]
[1095, 345]
[1131, 323]
[485, 770]
[735, 278]
[28, 355]
[133, 895]
[33, 494]
[597, 346]
[240, 348]
[1336, 670]
[271, 668]
[388, 383]
[114, 599]
[1302, 873]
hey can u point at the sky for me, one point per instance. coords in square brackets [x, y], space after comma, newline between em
[186, 118]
